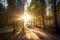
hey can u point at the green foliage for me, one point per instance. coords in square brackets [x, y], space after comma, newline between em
[37, 7]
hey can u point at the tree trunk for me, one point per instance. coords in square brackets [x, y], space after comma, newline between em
[43, 16]
[55, 15]
[11, 9]
[43, 20]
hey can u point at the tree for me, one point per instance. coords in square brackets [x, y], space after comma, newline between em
[1, 7]
[55, 14]
[58, 11]
[38, 8]
[2, 14]
[11, 9]
[15, 9]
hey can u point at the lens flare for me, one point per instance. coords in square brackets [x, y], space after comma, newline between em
[26, 17]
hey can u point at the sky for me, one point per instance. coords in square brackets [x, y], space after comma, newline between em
[48, 7]
[27, 4]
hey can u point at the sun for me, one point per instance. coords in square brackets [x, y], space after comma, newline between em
[26, 17]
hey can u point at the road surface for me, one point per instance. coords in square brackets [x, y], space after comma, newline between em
[33, 34]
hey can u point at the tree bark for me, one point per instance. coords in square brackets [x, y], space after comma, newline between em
[11, 9]
[55, 15]
[43, 16]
